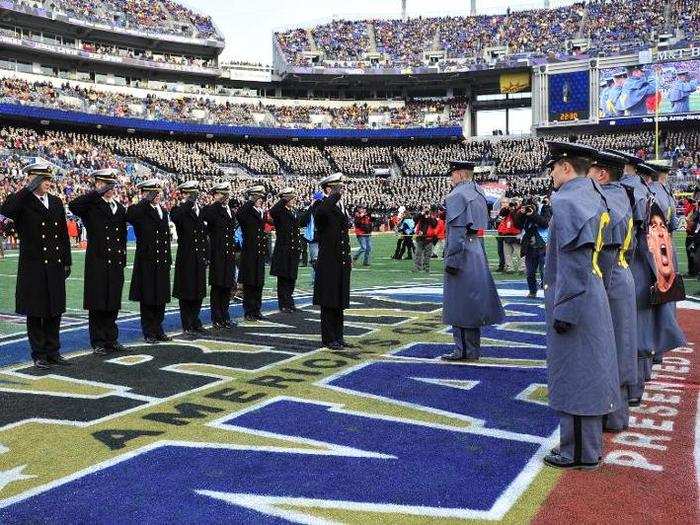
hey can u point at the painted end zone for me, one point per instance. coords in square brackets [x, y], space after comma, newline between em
[262, 426]
[650, 471]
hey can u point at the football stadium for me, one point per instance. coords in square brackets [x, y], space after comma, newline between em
[438, 262]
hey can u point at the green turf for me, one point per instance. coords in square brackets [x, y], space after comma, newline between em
[383, 272]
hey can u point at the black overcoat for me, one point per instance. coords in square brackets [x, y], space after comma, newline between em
[150, 281]
[44, 253]
[221, 227]
[192, 256]
[105, 257]
[285, 256]
[252, 269]
[333, 267]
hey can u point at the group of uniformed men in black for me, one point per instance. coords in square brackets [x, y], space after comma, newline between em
[206, 244]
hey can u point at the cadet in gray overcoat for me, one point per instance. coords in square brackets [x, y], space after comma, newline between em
[470, 297]
[583, 378]
[606, 170]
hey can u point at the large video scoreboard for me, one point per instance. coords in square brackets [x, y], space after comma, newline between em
[635, 89]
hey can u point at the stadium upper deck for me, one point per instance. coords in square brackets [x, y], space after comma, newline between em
[444, 44]
[151, 19]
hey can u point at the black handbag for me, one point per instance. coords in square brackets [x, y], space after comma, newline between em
[674, 294]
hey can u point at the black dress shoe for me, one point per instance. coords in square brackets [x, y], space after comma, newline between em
[609, 430]
[335, 345]
[117, 347]
[42, 364]
[259, 317]
[100, 350]
[557, 461]
[151, 340]
[251, 318]
[164, 338]
[230, 325]
[58, 360]
[286, 310]
[200, 330]
[459, 359]
[188, 335]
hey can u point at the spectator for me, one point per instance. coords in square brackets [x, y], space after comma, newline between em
[363, 232]
[509, 231]
[425, 223]
[534, 223]
[405, 229]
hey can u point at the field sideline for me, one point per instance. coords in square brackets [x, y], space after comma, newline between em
[383, 272]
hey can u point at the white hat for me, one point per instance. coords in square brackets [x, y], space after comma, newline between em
[221, 187]
[332, 180]
[258, 189]
[39, 168]
[189, 187]
[105, 175]
[150, 185]
[660, 164]
[287, 193]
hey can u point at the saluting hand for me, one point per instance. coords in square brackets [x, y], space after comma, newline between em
[105, 189]
[34, 183]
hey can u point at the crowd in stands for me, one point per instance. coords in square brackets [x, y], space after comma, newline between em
[512, 156]
[613, 27]
[185, 108]
[610, 24]
[342, 39]
[253, 157]
[360, 161]
[164, 16]
[149, 55]
[419, 169]
[170, 155]
[303, 160]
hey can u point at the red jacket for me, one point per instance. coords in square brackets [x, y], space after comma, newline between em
[440, 229]
[363, 225]
[507, 226]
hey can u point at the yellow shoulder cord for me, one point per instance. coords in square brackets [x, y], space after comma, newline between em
[599, 242]
[627, 243]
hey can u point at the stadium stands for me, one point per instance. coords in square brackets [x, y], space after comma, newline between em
[278, 164]
[165, 16]
[612, 27]
[69, 96]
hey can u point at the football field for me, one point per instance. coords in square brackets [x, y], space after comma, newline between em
[383, 272]
[263, 425]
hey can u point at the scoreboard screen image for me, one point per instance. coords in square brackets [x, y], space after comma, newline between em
[569, 96]
[671, 88]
